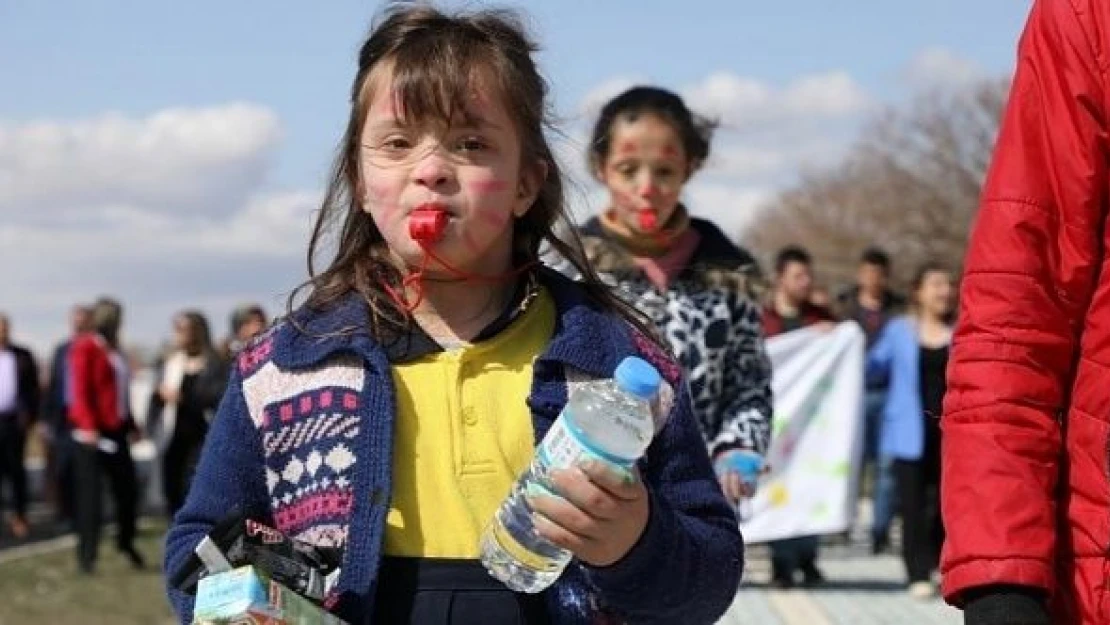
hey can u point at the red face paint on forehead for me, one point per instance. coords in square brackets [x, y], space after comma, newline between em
[627, 147]
[669, 150]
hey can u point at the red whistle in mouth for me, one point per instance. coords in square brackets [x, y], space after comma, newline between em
[649, 221]
[426, 225]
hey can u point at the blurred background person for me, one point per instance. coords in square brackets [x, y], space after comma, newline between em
[697, 286]
[912, 352]
[872, 303]
[790, 308]
[19, 408]
[59, 394]
[247, 322]
[102, 426]
[188, 388]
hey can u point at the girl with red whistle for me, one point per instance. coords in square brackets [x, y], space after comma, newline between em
[696, 285]
[390, 413]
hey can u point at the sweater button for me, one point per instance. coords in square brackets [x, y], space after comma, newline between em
[470, 418]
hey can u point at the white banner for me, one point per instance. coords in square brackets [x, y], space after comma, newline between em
[818, 432]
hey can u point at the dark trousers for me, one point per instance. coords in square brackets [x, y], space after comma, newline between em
[60, 475]
[178, 465]
[789, 555]
[432, 591]
[922, 530]
[91, 467]
[13, 440]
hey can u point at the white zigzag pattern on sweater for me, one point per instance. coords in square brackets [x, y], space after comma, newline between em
[308, 430]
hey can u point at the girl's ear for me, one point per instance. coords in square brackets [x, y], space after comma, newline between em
[360, 194]
[597, 168]
[531, 181]
[692, 168]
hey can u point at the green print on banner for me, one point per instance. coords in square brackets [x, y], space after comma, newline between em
[787, 431]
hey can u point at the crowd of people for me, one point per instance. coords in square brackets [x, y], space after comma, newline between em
[83, 415]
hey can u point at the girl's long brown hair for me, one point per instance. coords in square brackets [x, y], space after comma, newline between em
[433, 60]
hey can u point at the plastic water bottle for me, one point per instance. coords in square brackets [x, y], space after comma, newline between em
[606, 420]
[749, 466]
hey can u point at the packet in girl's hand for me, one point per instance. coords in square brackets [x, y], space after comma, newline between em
[238, 541]
[247, 596]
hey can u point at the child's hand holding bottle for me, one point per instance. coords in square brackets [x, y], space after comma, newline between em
[738, 471]
[599, 515]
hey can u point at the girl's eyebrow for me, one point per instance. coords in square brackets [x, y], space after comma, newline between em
[475, 121]
[470, 122]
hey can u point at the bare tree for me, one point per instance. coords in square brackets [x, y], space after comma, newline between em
[910, 184]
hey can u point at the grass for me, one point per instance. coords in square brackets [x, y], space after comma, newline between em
[48, 590]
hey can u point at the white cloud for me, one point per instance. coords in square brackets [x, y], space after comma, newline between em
[164, 211]
[742, 102]
[156, 263]
[739, 157]
[829, 95]
[203, 161]
[730, 206]
[940, 67]
[596, 98]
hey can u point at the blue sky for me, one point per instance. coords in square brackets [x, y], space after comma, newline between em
[211, 124]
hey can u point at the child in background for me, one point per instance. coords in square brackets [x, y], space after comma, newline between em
[697, 286]
[390, 413]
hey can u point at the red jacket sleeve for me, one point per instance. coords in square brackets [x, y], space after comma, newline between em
[1029, 277]
[82, 410]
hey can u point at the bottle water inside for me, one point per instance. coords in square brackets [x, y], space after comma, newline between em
[606, 420]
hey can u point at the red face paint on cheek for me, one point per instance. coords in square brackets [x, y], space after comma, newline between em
[488, 187]
[492, 218]
[382, 200]
[627, 200]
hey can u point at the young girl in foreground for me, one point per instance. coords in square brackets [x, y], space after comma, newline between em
[390, 414]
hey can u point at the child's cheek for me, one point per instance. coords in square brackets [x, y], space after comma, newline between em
[492, 210]
[383, 200]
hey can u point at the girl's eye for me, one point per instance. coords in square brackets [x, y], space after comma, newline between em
[628, 171]
[396, 143]
[471, 144]
[664, 173]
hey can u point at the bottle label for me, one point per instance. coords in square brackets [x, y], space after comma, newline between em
[563, 447]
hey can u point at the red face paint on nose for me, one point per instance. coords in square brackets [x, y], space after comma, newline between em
[427, 223]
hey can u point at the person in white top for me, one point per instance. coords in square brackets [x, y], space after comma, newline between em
[19, 407]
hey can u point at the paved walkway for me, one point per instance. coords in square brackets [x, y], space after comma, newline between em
[861, 590]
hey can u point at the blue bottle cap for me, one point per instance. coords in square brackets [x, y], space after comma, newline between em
[636, 376]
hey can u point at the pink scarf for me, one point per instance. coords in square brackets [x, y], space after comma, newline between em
[663, 269]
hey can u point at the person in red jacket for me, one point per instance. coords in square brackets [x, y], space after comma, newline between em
[1026, 429]
[100, 419]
